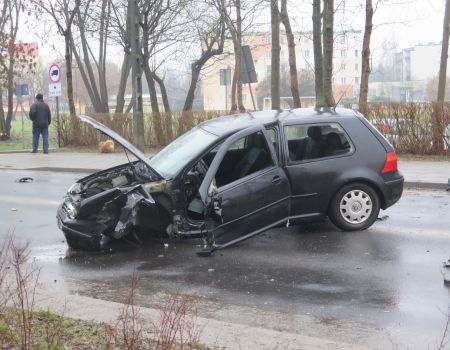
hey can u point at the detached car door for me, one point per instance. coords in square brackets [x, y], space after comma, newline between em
[245, 190]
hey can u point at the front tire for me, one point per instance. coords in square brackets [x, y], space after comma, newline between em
[354, 207]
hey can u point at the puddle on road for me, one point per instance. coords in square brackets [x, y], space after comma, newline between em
[51, 253]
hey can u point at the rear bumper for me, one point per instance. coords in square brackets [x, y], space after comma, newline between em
[393, 191]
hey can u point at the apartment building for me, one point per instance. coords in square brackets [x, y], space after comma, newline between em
[346, 69]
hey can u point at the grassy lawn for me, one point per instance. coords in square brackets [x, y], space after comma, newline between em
[50, 331]
[22, 140]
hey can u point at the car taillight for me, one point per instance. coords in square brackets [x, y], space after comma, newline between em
[391, 162]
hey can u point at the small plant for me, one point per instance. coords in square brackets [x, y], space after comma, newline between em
[176, 327]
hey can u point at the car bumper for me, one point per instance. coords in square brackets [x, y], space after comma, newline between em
[80, 234]
[393, 191]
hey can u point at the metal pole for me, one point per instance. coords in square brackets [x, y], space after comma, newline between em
[57, 118]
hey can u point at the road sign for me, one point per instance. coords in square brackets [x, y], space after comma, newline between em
[225, 77]
[54, 90]
[54, 73]
[22, 90]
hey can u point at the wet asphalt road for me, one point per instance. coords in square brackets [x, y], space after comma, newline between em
[380, 287]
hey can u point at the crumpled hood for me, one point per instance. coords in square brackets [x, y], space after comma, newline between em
[120, 140]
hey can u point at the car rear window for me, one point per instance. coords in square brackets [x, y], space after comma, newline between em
[315, 141]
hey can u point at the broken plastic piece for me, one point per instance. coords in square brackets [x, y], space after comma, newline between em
[448, 184]
[383, 218]
[25, 179]
[205, 252]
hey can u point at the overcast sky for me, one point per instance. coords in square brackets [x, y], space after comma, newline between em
[419, 21]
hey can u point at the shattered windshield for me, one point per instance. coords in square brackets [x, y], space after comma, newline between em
[171, 159]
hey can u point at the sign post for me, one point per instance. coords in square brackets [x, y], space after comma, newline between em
[225, 80]
[54, 90]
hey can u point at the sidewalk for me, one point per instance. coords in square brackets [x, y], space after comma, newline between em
[423, 174]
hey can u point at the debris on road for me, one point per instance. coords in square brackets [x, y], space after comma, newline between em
[13, 209]
[446, 271]
[383, 218]
[448, 184]
[210, 270]
[25, 180]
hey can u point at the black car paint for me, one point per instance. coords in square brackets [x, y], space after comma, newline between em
[297, 192]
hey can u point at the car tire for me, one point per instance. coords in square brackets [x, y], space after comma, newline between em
[354, 207]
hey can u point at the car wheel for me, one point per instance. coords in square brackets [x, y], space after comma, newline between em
[354, 207]
[92, 245]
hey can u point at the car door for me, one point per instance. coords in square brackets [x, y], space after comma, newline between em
[317, 154]
[254, 199]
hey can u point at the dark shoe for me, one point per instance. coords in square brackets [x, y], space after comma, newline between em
[45, 152]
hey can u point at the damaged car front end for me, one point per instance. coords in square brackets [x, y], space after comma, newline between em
[132, 201]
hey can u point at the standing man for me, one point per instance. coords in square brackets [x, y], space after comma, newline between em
[41, 117]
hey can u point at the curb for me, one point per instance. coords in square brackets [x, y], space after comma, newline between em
[25, 151]
[426, 185]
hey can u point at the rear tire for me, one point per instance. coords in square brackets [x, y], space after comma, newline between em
[354, 207]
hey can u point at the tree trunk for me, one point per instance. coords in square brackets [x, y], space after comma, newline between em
[238, 54]
[284, 16]
[365, 65]
[156, 115]
[2, 118]
[444, 54]
[187, 118]
[125, 72]
[168, 113]
[438, 125]
[328, 23]
[275, 61]
[318, 57]
[10, 90]
[69, 77]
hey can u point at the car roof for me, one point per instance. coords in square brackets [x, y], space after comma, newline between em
[229, 124]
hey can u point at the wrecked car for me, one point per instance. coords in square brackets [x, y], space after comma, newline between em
[233, 177]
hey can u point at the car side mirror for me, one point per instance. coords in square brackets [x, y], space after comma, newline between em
[212, 189]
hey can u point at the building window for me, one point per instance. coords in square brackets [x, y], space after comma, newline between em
[269, 55]
[306, 53]
[342, 66]
[356, 80]
[343, 81]
[268, 69]
[343, 53]
[356, 53]
[356, 67]
[268, 39]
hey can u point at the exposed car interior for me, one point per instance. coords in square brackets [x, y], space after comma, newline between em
[244, 157]
[316, 141]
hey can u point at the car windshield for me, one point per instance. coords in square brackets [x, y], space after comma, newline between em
[171, 159]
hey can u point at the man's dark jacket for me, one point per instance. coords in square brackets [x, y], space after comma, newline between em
[40, 114]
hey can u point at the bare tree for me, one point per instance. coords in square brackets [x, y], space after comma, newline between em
[365, 66]
[233, 21]
[9, 23]
[275, 60]
[211, 33]
[328, 40]
[438, 142]
[318, 56]
[284, 17]
[63, 16]
[92, 24]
